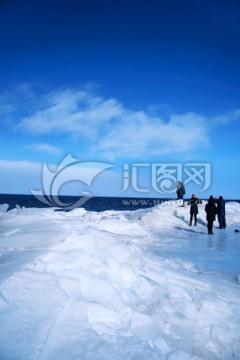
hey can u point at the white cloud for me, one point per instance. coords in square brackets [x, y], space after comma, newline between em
[17, 177]
[41, 147]
[111, 130]
[77, 113]
[14, 166]
[69, 177]
[139, 134]
[227, 119]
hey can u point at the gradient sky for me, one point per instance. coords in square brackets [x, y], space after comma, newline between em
[133, 84]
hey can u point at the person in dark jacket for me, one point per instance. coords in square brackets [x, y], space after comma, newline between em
[194, 201]
[180, 190]
[221, 212]
[211, 211]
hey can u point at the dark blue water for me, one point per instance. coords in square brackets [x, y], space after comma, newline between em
[92, 204]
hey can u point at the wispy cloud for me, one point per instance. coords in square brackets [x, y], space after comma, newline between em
[226, 119]
[77, 113]
[15, 166]
[111, 130]
[41, 147]
[138, 134]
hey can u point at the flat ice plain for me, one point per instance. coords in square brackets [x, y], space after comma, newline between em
[139, 285]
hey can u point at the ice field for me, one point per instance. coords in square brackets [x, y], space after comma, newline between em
[120, 285]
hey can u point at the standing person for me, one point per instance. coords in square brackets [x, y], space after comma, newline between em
[221, 212]
[194, 201]
[211, 211]
[180, 190]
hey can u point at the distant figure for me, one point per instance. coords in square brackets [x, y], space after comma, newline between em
[194, 201]
[211, 211]
[180, 190]
[221, 212]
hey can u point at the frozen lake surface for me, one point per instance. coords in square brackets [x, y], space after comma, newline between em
[124, 285]
[219, 252]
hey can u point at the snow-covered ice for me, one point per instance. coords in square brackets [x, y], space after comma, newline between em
[139, 285]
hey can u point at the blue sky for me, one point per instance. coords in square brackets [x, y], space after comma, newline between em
[132, 84]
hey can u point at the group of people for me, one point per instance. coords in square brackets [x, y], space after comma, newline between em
[212, 208]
